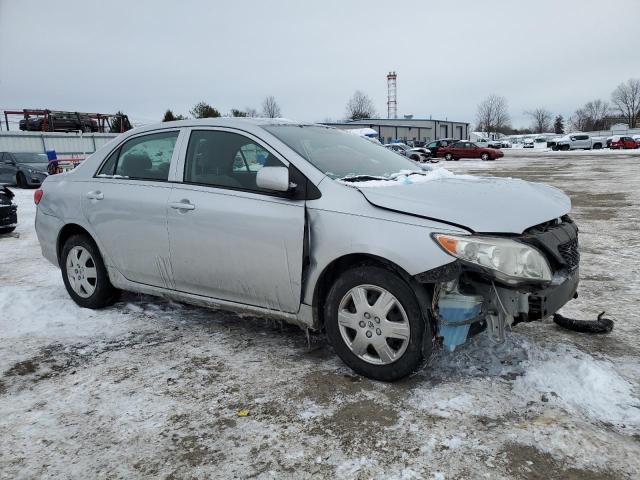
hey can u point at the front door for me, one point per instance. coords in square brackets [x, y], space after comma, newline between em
[229, 239]
[126, 205]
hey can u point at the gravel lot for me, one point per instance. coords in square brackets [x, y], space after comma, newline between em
[150, 388]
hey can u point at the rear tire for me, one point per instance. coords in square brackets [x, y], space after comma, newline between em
[375, 325]
[448, 157]
[5, 230]
[84, 274]
[485, 157]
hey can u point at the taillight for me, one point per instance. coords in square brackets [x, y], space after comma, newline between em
[37, 196]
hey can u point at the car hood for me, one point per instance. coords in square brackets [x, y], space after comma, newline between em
[40, 167]
[480, 204]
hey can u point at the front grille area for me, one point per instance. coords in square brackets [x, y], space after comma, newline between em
[570, 253]
[558, 240]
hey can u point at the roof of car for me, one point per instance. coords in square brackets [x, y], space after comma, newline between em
[247, 123]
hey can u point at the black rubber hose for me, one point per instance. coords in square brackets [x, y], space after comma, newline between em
[601, 325]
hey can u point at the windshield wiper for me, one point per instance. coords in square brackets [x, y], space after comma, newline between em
[362, 178]
[393, 176]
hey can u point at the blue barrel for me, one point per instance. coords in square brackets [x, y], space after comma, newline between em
[51, 155]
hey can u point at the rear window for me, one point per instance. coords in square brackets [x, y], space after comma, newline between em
[147, 157]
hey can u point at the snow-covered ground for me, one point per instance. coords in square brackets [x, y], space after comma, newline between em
[150, 388]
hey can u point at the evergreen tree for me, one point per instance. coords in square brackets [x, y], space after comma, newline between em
[238, 113]
[169, 116]
[558, 124]
[204, 110]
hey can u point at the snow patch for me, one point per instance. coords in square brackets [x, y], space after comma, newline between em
[580, 384]
[408, 177]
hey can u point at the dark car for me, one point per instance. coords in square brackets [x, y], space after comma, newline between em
[59, 122]
[466, 149]
[438, 144]
[23, 169]
[8, 211]
[622, 143]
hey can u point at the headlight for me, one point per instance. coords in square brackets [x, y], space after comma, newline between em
[508, 257]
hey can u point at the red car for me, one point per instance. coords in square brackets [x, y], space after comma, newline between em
[625, 143]
[467, 149]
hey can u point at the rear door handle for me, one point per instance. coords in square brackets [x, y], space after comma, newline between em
[95, 195]
[182, 205]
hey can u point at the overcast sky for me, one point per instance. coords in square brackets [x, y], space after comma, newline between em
[146, 56]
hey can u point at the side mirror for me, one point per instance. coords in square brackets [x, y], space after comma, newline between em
[273, 178]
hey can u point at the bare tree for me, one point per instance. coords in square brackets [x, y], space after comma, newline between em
[579, 121]
[597, 111]
[270, 108]
[593, 115]
[360, 106]
[251, 112]
[493, 115]
[626, 98]
[541, 119]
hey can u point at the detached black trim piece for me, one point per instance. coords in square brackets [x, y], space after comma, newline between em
[601, 325]
[444, 273]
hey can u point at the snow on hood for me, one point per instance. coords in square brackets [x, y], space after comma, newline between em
[481, 204]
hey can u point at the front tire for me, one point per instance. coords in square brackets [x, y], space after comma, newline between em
[5, 230]
[21, 180]
[485, 157]
[448, 157]
[84, 274]
[375, 324]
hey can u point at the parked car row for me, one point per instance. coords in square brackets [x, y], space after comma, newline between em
[583, 141]
[449, 149]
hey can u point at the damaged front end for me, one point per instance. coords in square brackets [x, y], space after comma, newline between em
[499, 281]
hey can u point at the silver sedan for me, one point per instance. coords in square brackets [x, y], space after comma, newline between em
[303, 223]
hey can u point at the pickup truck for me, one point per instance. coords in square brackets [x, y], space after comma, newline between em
[579, 141]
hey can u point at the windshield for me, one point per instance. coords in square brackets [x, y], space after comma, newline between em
[338, 154]
[30, 157]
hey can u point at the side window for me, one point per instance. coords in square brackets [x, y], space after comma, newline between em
[225, 159]
[142, 158]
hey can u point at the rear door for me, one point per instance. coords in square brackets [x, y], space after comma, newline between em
[229, 239]
[126, 205]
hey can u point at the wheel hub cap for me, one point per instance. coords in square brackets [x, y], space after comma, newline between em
[373, 324]
[81, 271]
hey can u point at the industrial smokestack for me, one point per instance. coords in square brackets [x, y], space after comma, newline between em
[392, 103]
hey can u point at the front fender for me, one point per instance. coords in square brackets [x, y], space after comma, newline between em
[334, 235]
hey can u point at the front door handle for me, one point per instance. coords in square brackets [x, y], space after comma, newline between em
[95, 195]
[182, 205]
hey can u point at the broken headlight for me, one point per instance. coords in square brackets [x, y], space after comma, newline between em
[510, 258]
